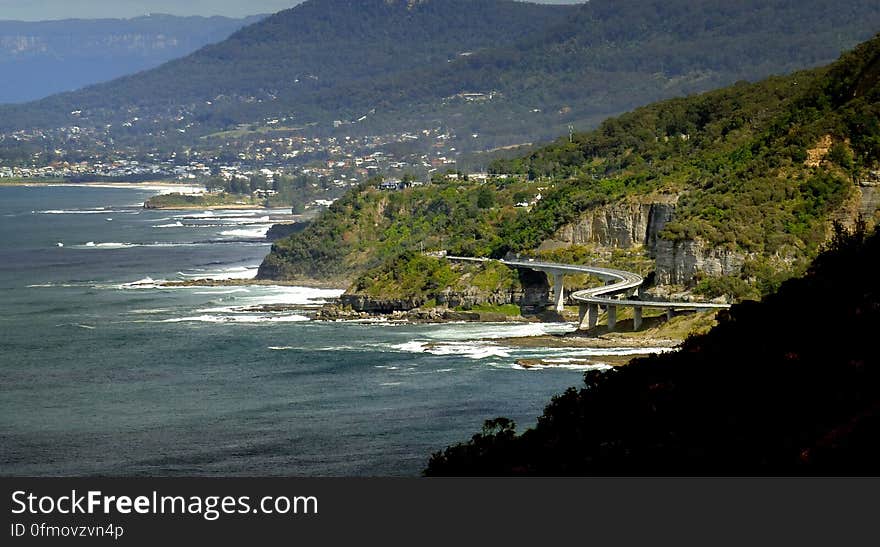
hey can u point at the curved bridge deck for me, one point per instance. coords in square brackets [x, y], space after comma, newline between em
[618, 291]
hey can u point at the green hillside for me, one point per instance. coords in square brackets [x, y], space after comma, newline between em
[368, 227]
[748, 162]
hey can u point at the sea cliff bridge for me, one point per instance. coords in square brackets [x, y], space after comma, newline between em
[621, 289]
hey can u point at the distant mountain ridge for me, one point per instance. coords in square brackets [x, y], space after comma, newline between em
[382, 66]
[318, 44]
[45, 57]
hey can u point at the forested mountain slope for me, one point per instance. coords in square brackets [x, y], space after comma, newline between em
[295, 53]
[391, 66]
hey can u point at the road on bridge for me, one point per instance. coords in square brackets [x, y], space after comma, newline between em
[618, 283]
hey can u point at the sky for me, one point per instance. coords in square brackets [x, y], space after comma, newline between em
[38, 10]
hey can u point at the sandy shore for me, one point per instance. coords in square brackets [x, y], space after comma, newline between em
[160, 187]
[231, 207]
[103, 184]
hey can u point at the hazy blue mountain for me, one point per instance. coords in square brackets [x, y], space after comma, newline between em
[38, 59]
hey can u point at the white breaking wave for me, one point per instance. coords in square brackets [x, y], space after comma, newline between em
[582, 367]
[221, 292]
[246, 214]
[471, 350]
[239, 319]
[145, 283]
[177, 224]
[278, 295]
[258, 232]
[471, 331]
[236, 272]
[120, 245]
[93, 211]
[98, 211]
[111, 245]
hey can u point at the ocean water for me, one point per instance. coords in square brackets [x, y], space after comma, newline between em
[103, 372]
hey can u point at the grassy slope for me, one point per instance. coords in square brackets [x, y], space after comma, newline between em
[369, 227]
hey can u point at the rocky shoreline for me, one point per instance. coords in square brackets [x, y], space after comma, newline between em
[334, 312]
[579, 339]
[337, 311]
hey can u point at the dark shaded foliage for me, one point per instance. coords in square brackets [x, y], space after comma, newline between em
[790, 385]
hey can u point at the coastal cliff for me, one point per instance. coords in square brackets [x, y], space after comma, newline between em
[637, 224]
[682, 262]
[629, 223]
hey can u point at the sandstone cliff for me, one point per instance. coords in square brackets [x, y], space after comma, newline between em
[626, 224]
[636, 224]
[680, 262]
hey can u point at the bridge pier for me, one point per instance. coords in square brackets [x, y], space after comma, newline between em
[670, 313]
[588, 315]
[637, 318]
[558, 292]
[612, 318]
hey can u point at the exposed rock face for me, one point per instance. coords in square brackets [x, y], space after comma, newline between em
[638, 223]
[368, 304]
[621, 225]
[869, 200]
[531, 299]
[817, 154]
[678, 262]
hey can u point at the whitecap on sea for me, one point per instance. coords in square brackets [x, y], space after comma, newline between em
[259, 232]
[239, 319]
[471, 350]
